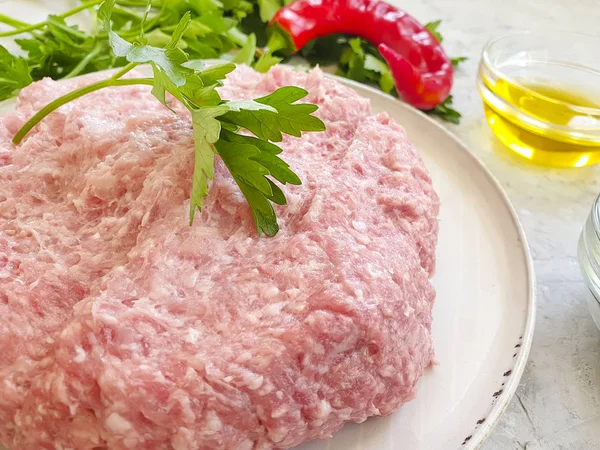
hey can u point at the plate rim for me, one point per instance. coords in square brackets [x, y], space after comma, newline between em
[480, 435]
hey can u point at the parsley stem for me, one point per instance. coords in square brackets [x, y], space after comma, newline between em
[138, 4]
[53, 106]
[86, 5]
[12, 22]
[129, 67]
[37, 26]
[70, 30]
[85, 61]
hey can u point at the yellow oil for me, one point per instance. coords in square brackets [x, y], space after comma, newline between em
[559, 106]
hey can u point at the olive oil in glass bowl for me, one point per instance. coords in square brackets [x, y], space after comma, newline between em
[541, 93]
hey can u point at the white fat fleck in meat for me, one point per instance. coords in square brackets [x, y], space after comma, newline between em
[359, 226]
[193, 336]
[246, 445]
[213, 421]
[266, 388]
[279, 412]
[190, 278]
[118, 424]
[293, 293]
[80, 355]
[255, 383]
[129, 328]
[315, 208]
[270, 291]
[130, 442]
[273, 309]
[243, 357]
[387, 371]
[361, 238]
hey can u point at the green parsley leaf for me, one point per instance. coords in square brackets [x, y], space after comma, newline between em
[215, 22]
[199, 93]
[277, 197]
[266, 61]
[199, 88]
[209, 5]
[249, 105]
[142, 36]
[250, 176]
[64, 51]
[240, 160]
[180, 29]
[252, 159]
[446, 112]
[167, 63]
[262, 211]
[433, 29]
[268, 8]
[456, 61]
[206, 132]
[238, 8]
[214, 74]
[15, 74]
[385, 79]
[119, 45]
[278, 168]
[376, 65]
[246, 54]
[277, 42]
[167, 60]
[355, 60]
[158, 38]
[290, 118]
[387, 83]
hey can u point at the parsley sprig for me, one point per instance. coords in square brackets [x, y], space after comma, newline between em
[253, 161]
[53, 48]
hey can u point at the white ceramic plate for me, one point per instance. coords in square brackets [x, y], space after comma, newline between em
[484, 312]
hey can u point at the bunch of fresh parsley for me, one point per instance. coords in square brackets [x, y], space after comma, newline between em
[253, 161]
[53, 48]
[58, 50]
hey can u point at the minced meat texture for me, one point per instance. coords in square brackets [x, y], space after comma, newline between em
[125, 328]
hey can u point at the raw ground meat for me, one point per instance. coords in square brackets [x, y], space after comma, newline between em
[124, 328]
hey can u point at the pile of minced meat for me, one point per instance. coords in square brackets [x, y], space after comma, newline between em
[125, 328]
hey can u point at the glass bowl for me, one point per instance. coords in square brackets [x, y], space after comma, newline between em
[588, 252]
[541, 93]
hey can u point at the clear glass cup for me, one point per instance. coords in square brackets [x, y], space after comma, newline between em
[541, 93]
[589, 259]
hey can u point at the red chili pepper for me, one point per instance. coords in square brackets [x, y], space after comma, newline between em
[422, 71]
